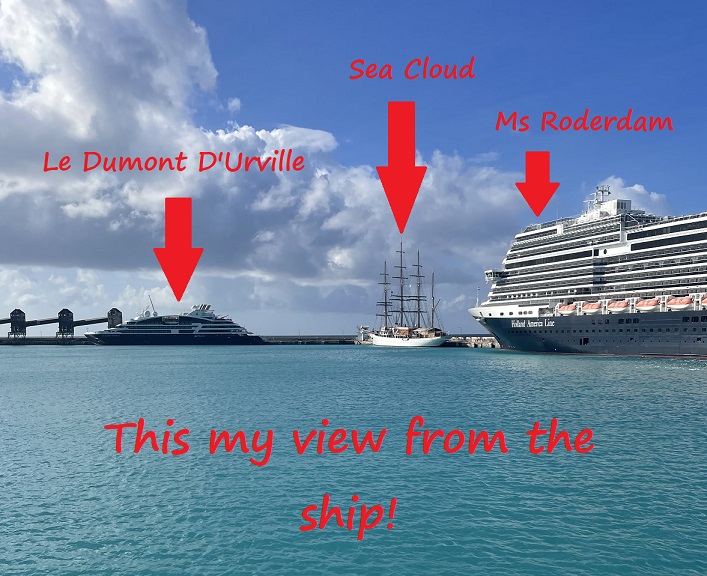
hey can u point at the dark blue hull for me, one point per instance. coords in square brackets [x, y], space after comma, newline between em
[653, 333]
[122, 339]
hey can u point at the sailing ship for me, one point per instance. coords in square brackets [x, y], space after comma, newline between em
[404, 320]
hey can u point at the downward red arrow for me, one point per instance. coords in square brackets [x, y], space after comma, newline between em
[178, 259]
[401, 179]
[537, 188]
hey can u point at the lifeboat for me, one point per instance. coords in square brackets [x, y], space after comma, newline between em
[647, 305]
[704, 301]
[591, 307]
[679, 303]
[568, 309]
[617, 307]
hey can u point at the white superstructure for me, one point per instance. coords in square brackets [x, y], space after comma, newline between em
[611, 259]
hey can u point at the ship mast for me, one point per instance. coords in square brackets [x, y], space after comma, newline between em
[385, 303]
[401, 295]
[434, 305]
[418, 297]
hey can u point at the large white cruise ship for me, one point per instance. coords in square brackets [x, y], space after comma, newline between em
[614, 280]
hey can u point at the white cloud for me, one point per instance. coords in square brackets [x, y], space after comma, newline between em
[91, 208]
[234, 105]
[651, 202]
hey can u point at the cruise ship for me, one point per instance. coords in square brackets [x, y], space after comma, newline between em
[614, 280]
[199, 326]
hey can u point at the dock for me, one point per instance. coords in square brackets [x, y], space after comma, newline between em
[475, 341]
[46, 341]
[471, 342]
[310, 340]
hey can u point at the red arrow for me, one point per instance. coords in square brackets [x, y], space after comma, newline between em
[537, 188]
[178, 259]
[401, 179]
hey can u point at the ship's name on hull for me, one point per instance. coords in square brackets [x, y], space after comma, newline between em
[532, 323]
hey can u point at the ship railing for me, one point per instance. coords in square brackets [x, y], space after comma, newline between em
[568, 236]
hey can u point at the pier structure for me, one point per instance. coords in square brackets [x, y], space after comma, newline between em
[328, 339]
[472, 342]
[64, 320]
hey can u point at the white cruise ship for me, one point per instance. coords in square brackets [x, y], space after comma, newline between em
[199, 326]
[614, 280]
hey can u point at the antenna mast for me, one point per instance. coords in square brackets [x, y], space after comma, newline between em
[151, 304]
[600, 194]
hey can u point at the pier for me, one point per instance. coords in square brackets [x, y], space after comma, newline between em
[471, 342]
[65, 322]
[46, 341]
[310, 340]
[463, 341]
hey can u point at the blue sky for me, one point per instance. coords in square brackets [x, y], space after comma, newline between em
[301, 252]
[289, 64]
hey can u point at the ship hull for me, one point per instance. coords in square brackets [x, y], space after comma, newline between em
[123, 339]
[409, 342]
[641, 334]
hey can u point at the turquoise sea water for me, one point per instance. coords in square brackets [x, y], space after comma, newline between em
[635, 504]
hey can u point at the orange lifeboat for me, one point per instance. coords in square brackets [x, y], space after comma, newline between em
[679, 303]
[617, 307]
[568, 309]
[647, 305]
[704, 301]
[591, 307]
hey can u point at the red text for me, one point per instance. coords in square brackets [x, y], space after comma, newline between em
[64, 163]
[229, 444]
[336, 443]
[142, 437]
[369, 518]
[513, 118]
[453, 441]
[416, 68]
[583, 438]
[280, 161]
[93, 160]
[639, 124]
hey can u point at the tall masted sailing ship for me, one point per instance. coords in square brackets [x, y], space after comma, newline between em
[614, 280]
[404, 318]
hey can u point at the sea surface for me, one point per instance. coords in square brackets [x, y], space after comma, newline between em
[70, 504]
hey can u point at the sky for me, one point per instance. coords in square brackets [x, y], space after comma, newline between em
[300, 252]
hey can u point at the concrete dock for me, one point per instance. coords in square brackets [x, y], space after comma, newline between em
[302, 340]
[45, 340]
[472, 342]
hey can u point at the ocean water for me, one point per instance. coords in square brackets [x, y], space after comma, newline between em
[635, 504]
